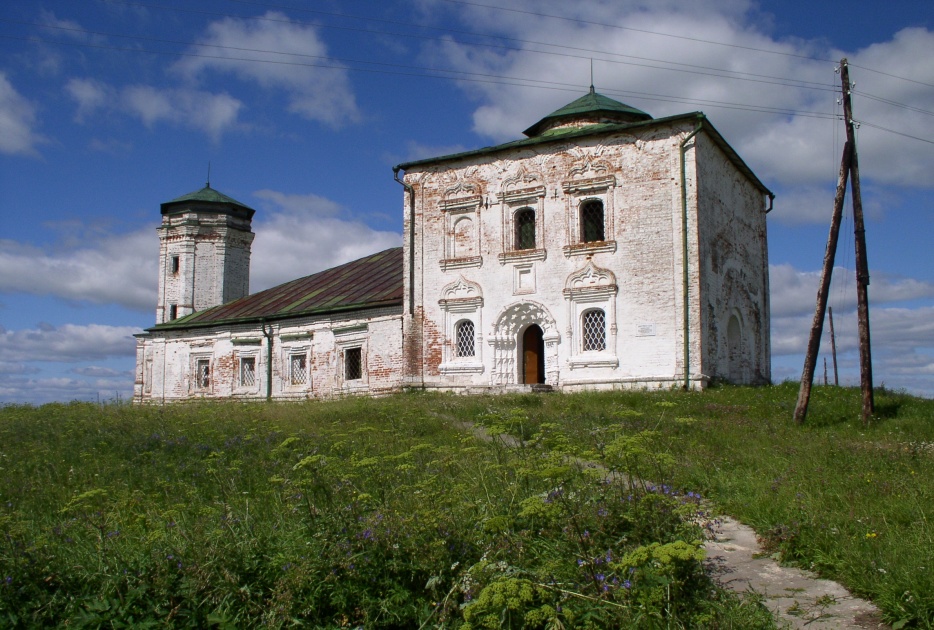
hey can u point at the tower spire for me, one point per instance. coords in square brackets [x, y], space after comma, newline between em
[208, 184]
[591, 76]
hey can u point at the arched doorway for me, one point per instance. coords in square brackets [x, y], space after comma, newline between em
[533, 355]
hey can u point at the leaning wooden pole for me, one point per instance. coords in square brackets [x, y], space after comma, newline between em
[862, 264]
[810, 359]
[833, 347]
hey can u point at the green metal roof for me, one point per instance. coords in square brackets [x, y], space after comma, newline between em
[591, 106]
[209, 197]
[369, 282]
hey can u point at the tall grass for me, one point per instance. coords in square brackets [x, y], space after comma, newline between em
[852, 503]
[358, 513]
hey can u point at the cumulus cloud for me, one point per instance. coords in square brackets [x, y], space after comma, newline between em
[794, 292]
[211, 113]
[67, 343]
[104, 269]
[623, 40]
[18, 135]
[314, 92]
[301, 234]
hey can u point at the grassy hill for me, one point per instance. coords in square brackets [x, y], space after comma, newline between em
[390, 513]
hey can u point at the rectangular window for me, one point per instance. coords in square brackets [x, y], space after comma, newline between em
[174, 264]
[173, 311]
[247, 371]
[298, 369]
[353, 364]
[203, 373]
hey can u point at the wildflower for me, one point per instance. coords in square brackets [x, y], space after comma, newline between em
[871, 535]
[627, 584]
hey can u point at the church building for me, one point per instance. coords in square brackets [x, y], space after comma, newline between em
[605, 250]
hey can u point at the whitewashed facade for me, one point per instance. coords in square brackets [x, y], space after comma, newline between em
[573, 259]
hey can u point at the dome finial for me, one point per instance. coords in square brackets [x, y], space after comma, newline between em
[208, 184]
[591, 76]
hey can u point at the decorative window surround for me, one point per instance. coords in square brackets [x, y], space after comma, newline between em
[588, 289]
[523, 255]
[461, 301]
[461, 250]
[247, 377]
[589, 249]
[351, 343]
[246, 341]
[513, 202]
[461, 263]
[578, 192]
[202, 377]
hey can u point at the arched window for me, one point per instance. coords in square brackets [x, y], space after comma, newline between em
[593, 330]
[525, 229]
[464, 339]
[591, 215]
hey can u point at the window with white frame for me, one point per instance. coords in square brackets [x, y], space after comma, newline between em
[298, 368]
[247, 372]
[461, 303]
[590, 216]
[591, 298]
[202, 374]
[464, 339]
[593, 330]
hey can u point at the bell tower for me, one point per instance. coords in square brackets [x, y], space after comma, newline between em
[204, 253]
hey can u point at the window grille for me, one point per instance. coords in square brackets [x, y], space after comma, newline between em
[464, 339]
[353, 364]
[525, 229]
[593, 330]
[298, 369]
[247, 371]
[203, 373]
[592, 221]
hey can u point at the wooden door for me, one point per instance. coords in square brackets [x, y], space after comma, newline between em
[533, 356]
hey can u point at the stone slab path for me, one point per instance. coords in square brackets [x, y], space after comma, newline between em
[796, 598]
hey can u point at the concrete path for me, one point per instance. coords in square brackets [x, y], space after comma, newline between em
[796, 598]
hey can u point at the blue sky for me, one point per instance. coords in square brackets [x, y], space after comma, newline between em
[108, 108]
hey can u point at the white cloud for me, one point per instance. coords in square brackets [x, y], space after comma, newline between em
[17, 121]
[317, 93]
[211, 113]
[104, 269]
[794, 292]
[783, 149]
[101, 372]
[90, 95]
[67, 343]
[302, 234]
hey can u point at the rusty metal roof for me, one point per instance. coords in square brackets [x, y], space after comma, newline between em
[370, 282]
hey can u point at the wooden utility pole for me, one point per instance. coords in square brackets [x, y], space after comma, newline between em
[833, 346]
[862, 264]
[849, 167]
[810, 359]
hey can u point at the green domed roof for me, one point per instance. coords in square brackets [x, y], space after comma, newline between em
[592, 107]
[207, 197]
